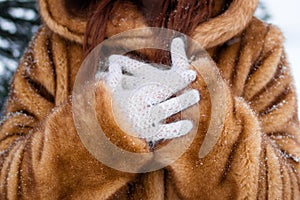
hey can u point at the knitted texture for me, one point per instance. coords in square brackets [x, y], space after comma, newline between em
[141, 100]
[256, 156]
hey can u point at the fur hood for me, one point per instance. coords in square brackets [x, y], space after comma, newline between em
[65, 18]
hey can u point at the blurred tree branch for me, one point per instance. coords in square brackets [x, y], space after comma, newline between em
[19, 20]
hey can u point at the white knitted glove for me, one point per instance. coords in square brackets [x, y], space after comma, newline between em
[141, 95]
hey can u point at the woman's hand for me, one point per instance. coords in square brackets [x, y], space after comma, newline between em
[142, 92]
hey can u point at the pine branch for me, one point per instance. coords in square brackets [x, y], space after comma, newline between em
[7, 16]
[6, 53]
[17, 4]
[12, 36]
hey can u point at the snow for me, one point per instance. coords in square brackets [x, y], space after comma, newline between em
[1, 68]
[7, 25]
[287, 17]
[12, 65]
[22, 13]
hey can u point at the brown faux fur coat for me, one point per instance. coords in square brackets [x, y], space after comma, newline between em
[256, 156]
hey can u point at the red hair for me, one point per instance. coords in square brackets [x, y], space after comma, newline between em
[180, 15]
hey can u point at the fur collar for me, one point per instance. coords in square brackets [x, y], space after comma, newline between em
[63, 20]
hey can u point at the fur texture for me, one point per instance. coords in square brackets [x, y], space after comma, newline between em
[256, 157]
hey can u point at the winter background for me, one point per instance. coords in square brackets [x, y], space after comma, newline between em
[19, 20]
[285, 14]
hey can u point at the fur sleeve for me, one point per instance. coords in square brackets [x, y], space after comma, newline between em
[267, 87]
[257, 155]
[32, 92]
[31, 99]
[41, 155]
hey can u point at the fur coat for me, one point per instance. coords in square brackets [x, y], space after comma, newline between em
[256, 156]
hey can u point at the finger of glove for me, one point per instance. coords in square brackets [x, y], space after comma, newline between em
[184, 78]
[175, 105]
[130, 82]
[114, 75]
[172, 130]
[100, 76]
[130, 65]
[178, 54]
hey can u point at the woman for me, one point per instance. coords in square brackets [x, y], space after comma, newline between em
[256, 156]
